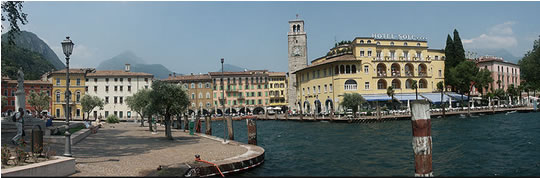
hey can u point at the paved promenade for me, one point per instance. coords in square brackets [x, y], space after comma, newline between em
[125, 149]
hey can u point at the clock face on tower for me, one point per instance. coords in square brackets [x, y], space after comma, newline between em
[296, 51]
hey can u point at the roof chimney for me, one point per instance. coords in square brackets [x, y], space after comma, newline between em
[128, 67]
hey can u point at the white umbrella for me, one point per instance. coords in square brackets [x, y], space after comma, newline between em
[277, 108]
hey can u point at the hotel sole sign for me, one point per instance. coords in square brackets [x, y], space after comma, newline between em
[397, 37]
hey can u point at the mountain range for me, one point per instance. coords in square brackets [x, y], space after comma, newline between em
[232, 68]
[118, 62]
[30, 41]
[506, 55]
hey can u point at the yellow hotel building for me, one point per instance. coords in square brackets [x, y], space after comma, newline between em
[368, 65]
[77, 87]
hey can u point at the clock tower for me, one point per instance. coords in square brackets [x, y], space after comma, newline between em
[297, 57]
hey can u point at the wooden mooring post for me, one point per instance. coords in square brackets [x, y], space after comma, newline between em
[252, 131]
[421, 126]
[230, 127]
[207, 121]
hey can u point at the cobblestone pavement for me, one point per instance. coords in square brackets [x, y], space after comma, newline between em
[125, 149]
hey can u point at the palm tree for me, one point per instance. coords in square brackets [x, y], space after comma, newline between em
[390, 92]
[440, 87]
[415, 87]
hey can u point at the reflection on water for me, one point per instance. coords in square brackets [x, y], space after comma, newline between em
[502, 145]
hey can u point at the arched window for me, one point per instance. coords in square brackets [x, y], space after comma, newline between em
[405, 44]
[298, 28]
[342, 69]
[408, 83]
[281, 85]
[361, 41]
[422, 70]
[392, 43]
[381, 69]
[294, 28]
[409, 69]
[368, 41]
[348, 69]
[378, 43]
[396, 84]
[353, 69]
[395, 69]
[57, 96]
[350, 85]
[78, 96]
[207, 95]
[381, 84]
[208, 104]
[192, 85]
[417, 44]
[200, 85]
[337, 70]
[422, 83]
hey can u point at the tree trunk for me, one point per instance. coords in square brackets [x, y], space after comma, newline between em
[142, 120]
[168, 127]
[150, 123]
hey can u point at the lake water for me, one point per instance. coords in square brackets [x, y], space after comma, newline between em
[489, 145]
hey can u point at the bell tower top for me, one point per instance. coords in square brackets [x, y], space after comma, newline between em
[296, 26]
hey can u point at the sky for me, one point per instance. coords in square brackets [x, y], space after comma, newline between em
[192, 37]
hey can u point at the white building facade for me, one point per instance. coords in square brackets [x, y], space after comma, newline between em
[113, 86]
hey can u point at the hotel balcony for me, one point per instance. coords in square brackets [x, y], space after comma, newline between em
[396, 74]
[381, 74]
[422, 74]
[409, 74]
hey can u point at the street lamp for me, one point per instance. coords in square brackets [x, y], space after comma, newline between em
[223, 102]
[67, 47]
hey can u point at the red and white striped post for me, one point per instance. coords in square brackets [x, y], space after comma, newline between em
[421, 126]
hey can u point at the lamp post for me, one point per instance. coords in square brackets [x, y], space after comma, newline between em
[223, 102]
[67, 47]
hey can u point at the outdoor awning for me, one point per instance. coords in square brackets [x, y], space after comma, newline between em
[408, 96]
[435, 98]
[456, 96]
[377, 97]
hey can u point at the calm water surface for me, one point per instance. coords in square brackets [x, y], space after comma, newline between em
[490, 145]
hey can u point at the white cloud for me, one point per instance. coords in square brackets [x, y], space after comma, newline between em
[497, 37]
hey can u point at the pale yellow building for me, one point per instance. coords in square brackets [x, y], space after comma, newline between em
[277, 86]
[368, 65]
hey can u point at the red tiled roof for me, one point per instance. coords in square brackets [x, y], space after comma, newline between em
[277, 74]
[103, 73]
[188, 77]
[346, 57]
[74, 71]
[249, 72]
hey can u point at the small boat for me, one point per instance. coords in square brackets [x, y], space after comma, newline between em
[462, 115]
[510, 112]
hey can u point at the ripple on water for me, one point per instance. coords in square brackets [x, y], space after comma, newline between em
[502, 145]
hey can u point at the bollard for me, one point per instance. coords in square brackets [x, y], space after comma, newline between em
[37, 140]
[421, 125]
[208, 121]
[252, 131]
[230, 127]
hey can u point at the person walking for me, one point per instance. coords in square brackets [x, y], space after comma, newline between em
[19, 123]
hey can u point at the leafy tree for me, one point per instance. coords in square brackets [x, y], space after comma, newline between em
[352, 101]
[4, 100]
[39, 101]
[390, 92]
[168, 100]
[499, 94]
[529, 66]
[459, 52]
[139, 103]
[465, 73]
[440, 87]
[449, 61]
[14, 15]
[89, 103]
[483, 80]
[512, 91]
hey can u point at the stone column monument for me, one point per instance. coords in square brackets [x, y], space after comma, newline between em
[20, 100]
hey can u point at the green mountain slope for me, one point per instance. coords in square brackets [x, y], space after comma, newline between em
[33, 64]
[32, 42]
[231, 68]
